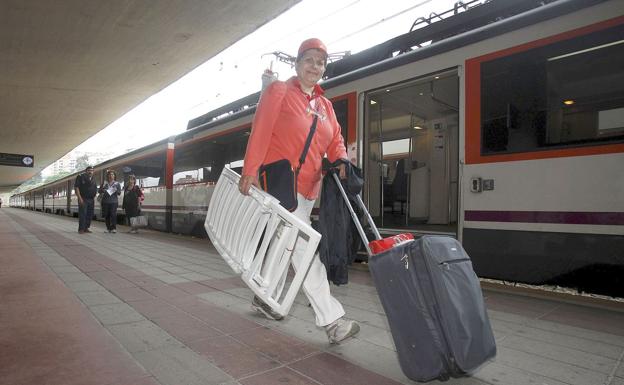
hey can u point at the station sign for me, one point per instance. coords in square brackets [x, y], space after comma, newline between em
[16, 160]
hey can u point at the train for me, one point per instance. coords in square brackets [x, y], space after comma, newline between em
[500, 124]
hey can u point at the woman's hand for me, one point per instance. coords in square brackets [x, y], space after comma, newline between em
[342, 171]
[245, 183]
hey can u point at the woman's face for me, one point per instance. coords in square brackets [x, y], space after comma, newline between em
[131, 182]
[310, 67]
[111, 177]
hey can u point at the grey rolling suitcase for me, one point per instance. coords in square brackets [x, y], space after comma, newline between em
[434, 305]
[435, 308]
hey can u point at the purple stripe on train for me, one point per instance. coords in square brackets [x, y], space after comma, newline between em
[563, 217]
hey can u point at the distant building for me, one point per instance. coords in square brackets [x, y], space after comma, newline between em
[65, 164]
[98, 157]
[69, 162]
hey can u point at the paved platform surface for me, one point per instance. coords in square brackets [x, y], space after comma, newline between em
[154, 308]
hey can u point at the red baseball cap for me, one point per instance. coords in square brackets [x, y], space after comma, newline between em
[313, 43]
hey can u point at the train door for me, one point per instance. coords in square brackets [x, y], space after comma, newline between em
[412, 154]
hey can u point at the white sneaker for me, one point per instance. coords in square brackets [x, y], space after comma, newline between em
[341, 329]
[261, 307]
[113, 231]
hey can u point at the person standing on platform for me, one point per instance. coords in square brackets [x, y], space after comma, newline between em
[110, 190]
[132, 201]
[86, 189]
[283, 119]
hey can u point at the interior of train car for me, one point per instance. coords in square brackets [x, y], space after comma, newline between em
[564, 94]
[411, 154]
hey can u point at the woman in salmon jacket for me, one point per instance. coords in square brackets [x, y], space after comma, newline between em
[283, 119]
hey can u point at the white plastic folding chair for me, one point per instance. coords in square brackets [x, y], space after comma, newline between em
[256, 237]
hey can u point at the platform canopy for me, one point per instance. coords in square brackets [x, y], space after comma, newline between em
[69, 68]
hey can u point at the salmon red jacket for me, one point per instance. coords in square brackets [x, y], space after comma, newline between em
[280, 128]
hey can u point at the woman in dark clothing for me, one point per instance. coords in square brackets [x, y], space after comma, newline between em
[132, 201]
[110, 190]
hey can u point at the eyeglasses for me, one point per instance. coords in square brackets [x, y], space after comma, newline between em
[312, 61]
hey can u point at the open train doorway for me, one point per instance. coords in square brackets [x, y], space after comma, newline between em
[412, 154]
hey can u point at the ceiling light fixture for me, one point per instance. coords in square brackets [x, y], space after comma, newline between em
[568, 102]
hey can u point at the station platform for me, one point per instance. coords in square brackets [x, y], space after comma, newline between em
[155, 308]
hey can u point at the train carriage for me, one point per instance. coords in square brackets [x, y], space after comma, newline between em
[57, 199]
[502, 125]
[508, 137]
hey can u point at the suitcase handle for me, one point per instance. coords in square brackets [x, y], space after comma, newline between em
[356, 220]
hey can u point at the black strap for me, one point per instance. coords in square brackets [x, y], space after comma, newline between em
[307, 144]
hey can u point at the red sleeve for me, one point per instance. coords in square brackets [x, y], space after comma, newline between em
[336, 149]
[262, 127]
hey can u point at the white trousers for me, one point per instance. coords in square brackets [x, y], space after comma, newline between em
[315, 285]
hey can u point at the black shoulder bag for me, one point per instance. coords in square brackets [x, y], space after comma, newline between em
[280, 180]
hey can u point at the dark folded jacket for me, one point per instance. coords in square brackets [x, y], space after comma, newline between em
[336, 249]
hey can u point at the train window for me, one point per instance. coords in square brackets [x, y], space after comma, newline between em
[191, 164]
[203, 161]
[569, 93]
[149, 171]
